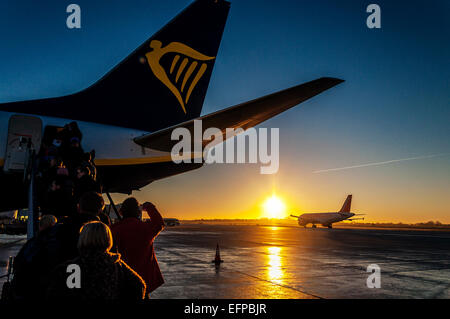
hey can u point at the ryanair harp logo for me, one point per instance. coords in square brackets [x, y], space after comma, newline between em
[154, 57]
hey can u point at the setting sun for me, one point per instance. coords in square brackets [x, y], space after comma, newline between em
[274, 207]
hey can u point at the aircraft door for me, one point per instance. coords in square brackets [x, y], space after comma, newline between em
[24, 136]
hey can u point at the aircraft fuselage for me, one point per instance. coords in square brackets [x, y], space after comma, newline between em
[325, 219]
[122, 165]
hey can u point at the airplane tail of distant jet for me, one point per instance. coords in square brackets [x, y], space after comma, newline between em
[347, 205]
[161, 84]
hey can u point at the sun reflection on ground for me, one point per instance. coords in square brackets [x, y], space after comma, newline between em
[275, 270]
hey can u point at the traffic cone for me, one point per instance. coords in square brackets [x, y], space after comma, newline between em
[217, 259]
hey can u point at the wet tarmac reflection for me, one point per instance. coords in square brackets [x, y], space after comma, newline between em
[275, 270]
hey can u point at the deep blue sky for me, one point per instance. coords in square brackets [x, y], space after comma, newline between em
[394, 104]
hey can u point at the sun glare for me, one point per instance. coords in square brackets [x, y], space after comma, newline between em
[274, 207]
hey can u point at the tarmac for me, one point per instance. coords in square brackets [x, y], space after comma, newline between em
[290, 262]
[293, 262]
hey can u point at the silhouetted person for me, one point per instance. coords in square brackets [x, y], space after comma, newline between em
[70, 131]
[58, 244]
[84, 183]
[134, 240]
[90, 207]
[32, 262]
[47, 221]
[88, 161]
[58, 200]
[103, 274]
[73, 155]
[71, 149]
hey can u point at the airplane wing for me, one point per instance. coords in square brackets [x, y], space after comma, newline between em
[244, 115]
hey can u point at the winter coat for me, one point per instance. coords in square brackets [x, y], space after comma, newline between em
[103, 276]
[31, 267]
[63, 244]
[84, 185]
[134, 241]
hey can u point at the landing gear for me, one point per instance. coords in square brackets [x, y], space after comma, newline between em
[314, 226]
[330, 226]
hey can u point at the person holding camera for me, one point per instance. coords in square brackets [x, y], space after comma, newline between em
[134, 239]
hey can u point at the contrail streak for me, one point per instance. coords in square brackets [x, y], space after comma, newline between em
[377, 163]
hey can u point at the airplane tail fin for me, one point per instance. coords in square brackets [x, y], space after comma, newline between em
[347, 205]
[160, 84]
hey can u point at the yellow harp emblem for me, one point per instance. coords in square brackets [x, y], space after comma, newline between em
[153, 59]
